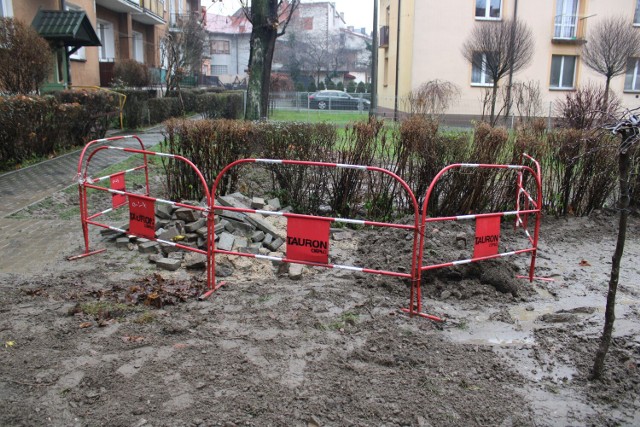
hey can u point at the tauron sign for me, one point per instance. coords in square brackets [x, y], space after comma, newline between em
[487, 236]
[142, 218]
[308, 240]
[117, 182]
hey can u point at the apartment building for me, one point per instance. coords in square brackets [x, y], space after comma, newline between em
[125, 29]
[421, 40]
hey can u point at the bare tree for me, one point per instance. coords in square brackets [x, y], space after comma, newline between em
[181, 50]
[25, 58]
[611, 43]
[496, 49]
[629, 130]
[269, 19]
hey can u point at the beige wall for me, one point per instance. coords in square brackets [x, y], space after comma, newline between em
[439, 29]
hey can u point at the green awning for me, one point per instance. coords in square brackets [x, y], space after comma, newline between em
[71, 28]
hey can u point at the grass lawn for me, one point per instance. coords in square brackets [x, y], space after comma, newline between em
[339, 118]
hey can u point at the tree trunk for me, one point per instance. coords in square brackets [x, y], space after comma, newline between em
[264, 15]
[494, 99]
[609, 317]
[605, 100]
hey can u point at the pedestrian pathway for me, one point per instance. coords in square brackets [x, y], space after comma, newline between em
[29, 245]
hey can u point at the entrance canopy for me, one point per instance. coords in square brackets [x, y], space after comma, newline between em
[66, 28]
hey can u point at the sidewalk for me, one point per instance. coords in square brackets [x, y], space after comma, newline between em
[27, 245]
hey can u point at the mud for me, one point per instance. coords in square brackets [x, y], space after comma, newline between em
[89, 343]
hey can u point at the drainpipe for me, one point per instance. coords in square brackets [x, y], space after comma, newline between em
[374, 62]
[395, 104]
[513, 36]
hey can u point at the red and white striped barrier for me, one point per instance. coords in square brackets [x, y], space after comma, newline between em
[308, 235]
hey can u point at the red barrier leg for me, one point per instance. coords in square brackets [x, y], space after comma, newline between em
[82, 200]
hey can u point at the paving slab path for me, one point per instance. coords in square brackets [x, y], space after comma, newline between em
[28, 245]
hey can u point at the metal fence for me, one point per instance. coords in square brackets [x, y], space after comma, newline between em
[461, 113]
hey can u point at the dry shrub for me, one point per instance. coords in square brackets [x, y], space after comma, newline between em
[210, 145]
[583, 109]
[304, 188]
[357, 148]
[130, 73]
[25, 58]
[431, 98]
[526, 100]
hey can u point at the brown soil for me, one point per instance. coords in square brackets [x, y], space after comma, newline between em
[109, 340]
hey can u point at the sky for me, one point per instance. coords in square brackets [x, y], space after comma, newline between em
[358, 13]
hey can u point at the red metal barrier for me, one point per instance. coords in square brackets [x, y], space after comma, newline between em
[486, 247]
[136, 201]
[308, 235]
[300, 217]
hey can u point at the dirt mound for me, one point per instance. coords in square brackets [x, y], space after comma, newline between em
[390, 249]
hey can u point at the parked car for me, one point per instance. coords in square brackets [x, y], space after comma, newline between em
[337, 100]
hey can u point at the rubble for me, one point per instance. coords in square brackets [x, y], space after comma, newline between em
[249, 233]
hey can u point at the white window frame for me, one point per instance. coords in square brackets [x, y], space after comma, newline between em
[566, 20]
[561, 86]
[137, 45]
[106, 52]
[485, 78]
[80, 54]
[487, 11]
[6, 9]
[219, 67]
[632, 77]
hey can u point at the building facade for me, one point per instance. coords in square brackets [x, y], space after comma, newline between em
[228, 47]
[422, 40]
[127, 29]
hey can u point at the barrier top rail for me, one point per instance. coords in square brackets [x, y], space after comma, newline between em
[203, 181]
[98, 141]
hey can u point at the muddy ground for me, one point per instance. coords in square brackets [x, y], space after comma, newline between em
[79, 346]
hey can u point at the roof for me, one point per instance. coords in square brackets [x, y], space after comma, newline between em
[234, 24]
[72, 28]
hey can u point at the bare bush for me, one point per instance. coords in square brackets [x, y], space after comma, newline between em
[25, 58]
[131, 73]
[431, 98]
[527, 99]
[585, 108]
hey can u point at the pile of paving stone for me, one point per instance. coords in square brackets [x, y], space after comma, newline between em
[234, 231]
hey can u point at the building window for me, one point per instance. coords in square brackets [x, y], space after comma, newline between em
[218, 70]
[307, 23]
[220, 47]
[479, 72]
[636, 16]
[488, 9]
[563, 71]
[6, 11]
[138, 47]
[566, 21]
[80, 54]
[105, 34]
[632, 78]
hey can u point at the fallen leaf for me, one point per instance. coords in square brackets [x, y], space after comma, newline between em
[84, 325]
[8, 344]
[180, 345]
[584, 263]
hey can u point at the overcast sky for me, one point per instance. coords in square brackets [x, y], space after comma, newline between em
[358, 13]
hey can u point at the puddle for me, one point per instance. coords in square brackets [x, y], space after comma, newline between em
[491, 333]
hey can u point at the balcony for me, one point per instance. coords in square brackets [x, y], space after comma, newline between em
[384, 36]
[568, 29]
[149, 12]
[178, 20]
